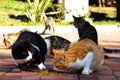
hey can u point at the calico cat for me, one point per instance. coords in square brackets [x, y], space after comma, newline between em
[49, 24]
[83, 55]
[56, 42]
[29, 50]
[86, 30]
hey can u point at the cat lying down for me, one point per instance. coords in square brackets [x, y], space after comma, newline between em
[84, 55]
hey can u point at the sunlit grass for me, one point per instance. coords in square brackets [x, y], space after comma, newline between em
[12, 7]
[113, 22]
[109, 11]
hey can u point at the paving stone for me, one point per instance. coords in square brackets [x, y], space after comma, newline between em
[107, 78]
[88, 77]
[30, 78]
[115, 66]
[117, 74]
[103, 70]
[65, 77]
[6, 62]
[110, 70]
[21, 74]
[11, 78]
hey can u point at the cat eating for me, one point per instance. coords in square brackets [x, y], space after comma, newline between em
[88, 31]
[29, 51]
[83, 55]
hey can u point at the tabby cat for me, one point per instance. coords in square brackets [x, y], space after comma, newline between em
[10, 38]
[49, 25]
[83, 55]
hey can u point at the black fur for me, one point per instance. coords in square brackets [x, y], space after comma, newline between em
[57, 42]
[85, 30]
[24, 44]
[111, 50]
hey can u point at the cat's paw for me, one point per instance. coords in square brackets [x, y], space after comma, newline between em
[41, 66]
[90, 71]
[16, 70]
[87, 72]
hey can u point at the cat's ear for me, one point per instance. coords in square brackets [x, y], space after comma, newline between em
[55, 52]
[74, 17]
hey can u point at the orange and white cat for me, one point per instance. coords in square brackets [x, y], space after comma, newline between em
[83, 55]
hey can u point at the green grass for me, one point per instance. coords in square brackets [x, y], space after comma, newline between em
[9, 8]
[104, 16]
[113, 22]
[109, 11]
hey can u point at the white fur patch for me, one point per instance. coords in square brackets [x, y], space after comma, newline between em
[35, 47]
[41, 66]
[47, 41]
[20, 61]
[29, 56]
[84, 64]
[88, 61]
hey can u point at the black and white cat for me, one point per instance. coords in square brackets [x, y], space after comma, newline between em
[86, 30]
[29, 50]
[56, 42]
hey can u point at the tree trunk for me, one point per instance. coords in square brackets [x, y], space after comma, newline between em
[118, 9]
[99, 3]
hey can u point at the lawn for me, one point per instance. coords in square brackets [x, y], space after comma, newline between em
[9, 8]
[104, 16]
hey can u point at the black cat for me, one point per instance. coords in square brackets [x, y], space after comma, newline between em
[29, 50]
[86, 30]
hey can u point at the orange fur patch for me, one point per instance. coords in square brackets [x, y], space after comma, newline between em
[78, 50]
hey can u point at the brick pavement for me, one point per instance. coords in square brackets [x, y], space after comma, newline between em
[110, 70]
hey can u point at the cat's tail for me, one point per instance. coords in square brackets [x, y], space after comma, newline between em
[106, 50]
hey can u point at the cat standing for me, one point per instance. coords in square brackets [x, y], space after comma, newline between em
[50, 25]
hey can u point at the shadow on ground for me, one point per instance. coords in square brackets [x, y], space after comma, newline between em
[23, 18]
[100, 16]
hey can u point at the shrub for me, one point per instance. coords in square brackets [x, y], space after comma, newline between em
[35, 10]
